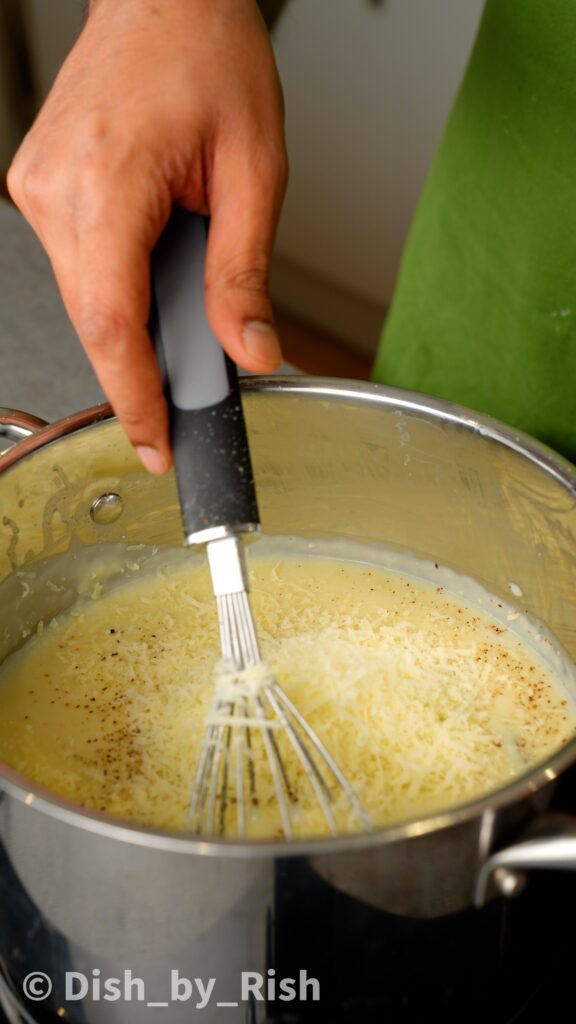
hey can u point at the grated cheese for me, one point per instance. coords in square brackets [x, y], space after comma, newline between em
[422, 700]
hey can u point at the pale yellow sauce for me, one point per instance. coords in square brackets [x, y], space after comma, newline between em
[423, 701]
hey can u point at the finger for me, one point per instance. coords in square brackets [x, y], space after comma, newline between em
[245, 203]
[107, 293]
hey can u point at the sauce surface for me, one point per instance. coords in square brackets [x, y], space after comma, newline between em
[423, 700]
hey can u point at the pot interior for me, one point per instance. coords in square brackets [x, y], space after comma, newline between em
[354, 462]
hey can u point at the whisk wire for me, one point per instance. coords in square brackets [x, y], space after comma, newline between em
[314, 775]
[325, 755]
[244, 709]
[277, 769]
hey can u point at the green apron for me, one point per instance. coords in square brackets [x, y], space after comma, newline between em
[485, 307]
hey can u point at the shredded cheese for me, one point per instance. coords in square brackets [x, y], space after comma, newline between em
[423, 701]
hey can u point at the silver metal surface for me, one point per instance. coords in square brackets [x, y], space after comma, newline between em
[331, 460]
[10, 1005]
[227, 568]
[15, 426]
[219, 532]
[552, 846]
[106, 509]
[508, 883]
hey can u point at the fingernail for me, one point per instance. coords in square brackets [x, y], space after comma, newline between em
[261, 342]
[152, 459]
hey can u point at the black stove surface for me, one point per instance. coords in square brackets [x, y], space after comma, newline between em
[547, 1002]
[510, 963]
[537, 985]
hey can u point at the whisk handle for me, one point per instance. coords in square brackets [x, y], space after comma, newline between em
[208, 431]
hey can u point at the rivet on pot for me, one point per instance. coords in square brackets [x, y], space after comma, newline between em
[106, 509]
[509, 883]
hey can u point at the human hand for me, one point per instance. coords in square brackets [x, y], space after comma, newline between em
[159, 102]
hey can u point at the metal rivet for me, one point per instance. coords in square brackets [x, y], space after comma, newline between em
[106, 509]
[509, 883]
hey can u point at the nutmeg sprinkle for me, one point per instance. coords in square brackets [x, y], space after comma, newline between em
[424, 701]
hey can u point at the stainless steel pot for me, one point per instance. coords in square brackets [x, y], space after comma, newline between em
[81, 892]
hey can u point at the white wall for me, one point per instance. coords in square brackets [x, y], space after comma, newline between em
[368, 87]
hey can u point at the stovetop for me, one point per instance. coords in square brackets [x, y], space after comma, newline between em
[531, 938]
[548, 1003]
[510, 963]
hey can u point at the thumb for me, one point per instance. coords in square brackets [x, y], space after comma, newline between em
[242, 228]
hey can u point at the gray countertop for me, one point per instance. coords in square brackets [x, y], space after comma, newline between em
[43, 369]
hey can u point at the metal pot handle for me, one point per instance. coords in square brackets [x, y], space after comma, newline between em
[551, 844]
[15, 426]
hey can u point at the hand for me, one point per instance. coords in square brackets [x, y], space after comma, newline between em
[159, 102]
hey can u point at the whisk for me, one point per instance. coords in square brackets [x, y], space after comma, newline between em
[218, 505]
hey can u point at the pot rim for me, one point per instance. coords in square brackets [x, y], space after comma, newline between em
[522, 788]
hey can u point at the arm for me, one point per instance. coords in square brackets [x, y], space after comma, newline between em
[159, 102]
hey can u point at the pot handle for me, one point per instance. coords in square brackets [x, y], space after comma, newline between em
[550, 844]
[15, 426]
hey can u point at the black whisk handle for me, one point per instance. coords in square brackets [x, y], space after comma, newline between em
[208, 430]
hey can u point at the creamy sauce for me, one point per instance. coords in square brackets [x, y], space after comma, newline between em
[424, 700]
